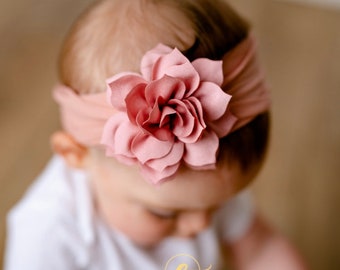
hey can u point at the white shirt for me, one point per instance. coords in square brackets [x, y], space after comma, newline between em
[55, 227]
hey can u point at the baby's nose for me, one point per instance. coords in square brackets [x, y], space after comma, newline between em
[191, 223]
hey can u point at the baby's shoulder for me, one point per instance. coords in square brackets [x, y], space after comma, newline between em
[41, 215]
[50, 198]
[39, 238]
[44, 227]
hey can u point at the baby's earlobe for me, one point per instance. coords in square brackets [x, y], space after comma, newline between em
[67, 147]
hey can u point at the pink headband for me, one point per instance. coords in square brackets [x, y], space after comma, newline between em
[174, 111]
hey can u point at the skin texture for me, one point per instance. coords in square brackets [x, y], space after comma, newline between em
[180, 207]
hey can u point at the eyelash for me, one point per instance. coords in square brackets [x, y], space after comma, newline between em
[167, 216]
[173, 215]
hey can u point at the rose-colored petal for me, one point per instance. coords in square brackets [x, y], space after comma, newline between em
[118, 135]
[162, 134]
[184, 122]
[119, 86]
[171, 159]
[164, 62]
[167, 112]
[135, 102]
[124, 136]
[164, 89]
[187, 74]
[195, 109]
[203, 152]
[155, 124]
[146, 147]
[175, 64]
[209, 70]
[142, 117]
[154, 116]
[214, 101]
[150, 58]
[223, 125]
[109, 130]
[156, 177]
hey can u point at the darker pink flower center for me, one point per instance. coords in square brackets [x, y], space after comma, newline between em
[161, 109]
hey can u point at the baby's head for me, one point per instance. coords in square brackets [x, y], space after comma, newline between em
[115, 36]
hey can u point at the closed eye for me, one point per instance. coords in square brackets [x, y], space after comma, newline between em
[163, 214]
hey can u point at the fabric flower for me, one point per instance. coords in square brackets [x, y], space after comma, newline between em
[172, 112]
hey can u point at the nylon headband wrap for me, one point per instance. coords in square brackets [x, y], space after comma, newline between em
[173, 112]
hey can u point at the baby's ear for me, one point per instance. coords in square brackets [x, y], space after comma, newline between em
[73, 152]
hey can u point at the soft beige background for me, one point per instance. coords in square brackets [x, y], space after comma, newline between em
[299, 188]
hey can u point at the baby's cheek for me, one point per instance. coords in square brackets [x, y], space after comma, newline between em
[148, 233]
[146, 230]
[136, 224]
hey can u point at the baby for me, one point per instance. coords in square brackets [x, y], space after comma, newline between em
[165, 123]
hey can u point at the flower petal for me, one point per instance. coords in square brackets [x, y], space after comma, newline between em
[124, 137]
[146, 147]
[187, 74]
[175, 64]
[196, 110]
[117, 135]
[214, 101]
[164, 62]
[184, 122]
[209, 70]
[156, 177]
[171, 159]
[150, 58]
[119, 86]
[203, 152]
[136, 103]
[156, 124]
[167, 112]
[163, 89]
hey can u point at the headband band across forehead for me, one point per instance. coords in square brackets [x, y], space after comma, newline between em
[173, 112]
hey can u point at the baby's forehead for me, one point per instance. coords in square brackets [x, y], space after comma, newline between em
[194, 191]
[189, 188]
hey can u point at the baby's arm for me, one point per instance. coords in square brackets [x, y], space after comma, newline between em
[263, 248]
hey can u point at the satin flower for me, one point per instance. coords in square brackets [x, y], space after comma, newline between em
[172, 112]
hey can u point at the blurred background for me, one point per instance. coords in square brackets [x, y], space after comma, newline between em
[299, 187]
